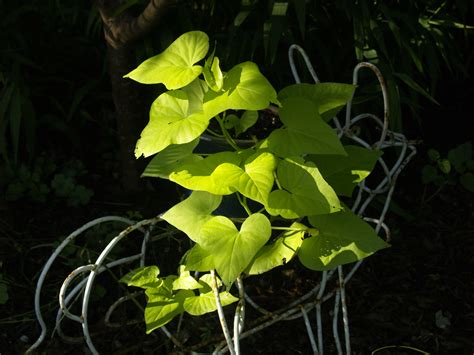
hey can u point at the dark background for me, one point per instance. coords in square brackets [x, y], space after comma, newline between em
[67, 122]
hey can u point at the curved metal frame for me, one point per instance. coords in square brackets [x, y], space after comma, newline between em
[296, 309]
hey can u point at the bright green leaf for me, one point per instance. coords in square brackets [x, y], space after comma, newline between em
[166, 161]
[206, 303]
[221, 174]
[304, 131]
[231, 249]
[185, 281]
[329, 98]
[304, 191]
[170, 124]
[161, 309]
[343, 238]
[198, 259]
[245, 88]
[255, 181]
[190, 214]
[206, 281]
[199, 175]
[343, 173]
[176, 117]
[213, 74]
[278, 253]
[196, 91]
[142, 277]
[175, 66]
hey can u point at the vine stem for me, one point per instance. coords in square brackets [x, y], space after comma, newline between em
[226, 134]
[243, 203]
[239, 317]
[289, 229]
[220, 312]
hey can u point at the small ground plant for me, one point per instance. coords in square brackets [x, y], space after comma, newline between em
[456, 168]
[291, 183]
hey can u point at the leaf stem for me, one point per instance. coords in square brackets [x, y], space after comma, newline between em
[276, 180]
[212, 133]
[289, 229]
[226, 134]
[220, 312]
[243, 203]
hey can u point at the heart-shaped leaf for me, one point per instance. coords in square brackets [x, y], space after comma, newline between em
[343, 238]
[343, 173]
[213, 74]
[185, 281]
[206, 302]
[245, 88]
[329, 98]
[221, 174]
[231, 249]
[170, 123]
[142, 277]
[304, 131]
[198, 259]
[161, 309]
[176, 117]
[199, 175]
[279, 252]
[304, 191]
[166, 161]
[175, 66]
[190, 215]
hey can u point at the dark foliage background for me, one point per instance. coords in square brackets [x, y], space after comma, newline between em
[60, 164]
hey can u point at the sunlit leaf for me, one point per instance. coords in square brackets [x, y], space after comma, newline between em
[198, 259]
[343, 173]
[343, 238]
[166, 161]
[142, 277]
[190, 214]
[170, 124]
[199, 175]
[175, 117]
[279, 252]
[185, 281]
[161, 309]
[329, 98]
[221, 174]
[231, 249]
[245, 88]
[175, 67]
[304, 131]
[304, 191]
[213, 74]
[206, 302]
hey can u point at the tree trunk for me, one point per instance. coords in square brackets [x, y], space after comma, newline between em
[131, 112]
[120, 34]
